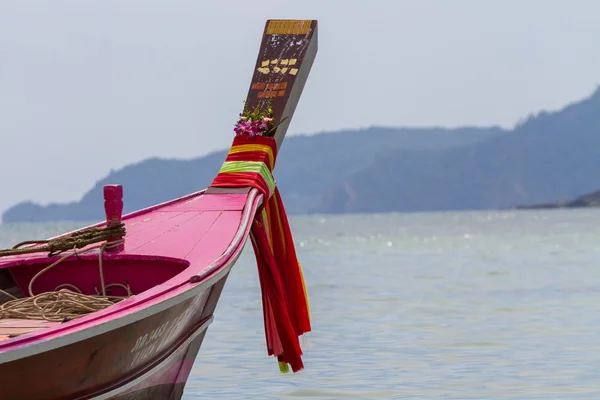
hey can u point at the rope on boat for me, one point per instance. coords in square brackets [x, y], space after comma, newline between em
[76, 240]
[63, 304]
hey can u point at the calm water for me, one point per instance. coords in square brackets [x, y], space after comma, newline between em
[502, 305]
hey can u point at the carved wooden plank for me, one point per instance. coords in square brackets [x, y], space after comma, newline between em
[287, 52]
[285, 58]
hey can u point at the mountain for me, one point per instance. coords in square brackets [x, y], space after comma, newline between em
[548, 157]
[587, 200]
[307, 167]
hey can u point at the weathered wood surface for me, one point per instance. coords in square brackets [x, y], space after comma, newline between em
[287, 52]
[286, 56]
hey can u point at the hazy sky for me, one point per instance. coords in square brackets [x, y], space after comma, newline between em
[86, 86]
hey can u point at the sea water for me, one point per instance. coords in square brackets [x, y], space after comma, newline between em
[477, 305]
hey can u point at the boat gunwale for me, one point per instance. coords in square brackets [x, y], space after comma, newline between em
[20, 259]
[150, 302]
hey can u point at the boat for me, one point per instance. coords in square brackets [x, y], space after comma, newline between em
[119, 309]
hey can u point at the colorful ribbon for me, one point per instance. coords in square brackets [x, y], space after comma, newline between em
[250, 163]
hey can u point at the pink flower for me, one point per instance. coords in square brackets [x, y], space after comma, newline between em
[242, 127]
[247, 126]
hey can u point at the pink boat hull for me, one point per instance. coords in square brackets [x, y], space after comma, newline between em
[105, 367]
[143, 347]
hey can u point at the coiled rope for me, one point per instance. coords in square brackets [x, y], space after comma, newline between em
[64, 304]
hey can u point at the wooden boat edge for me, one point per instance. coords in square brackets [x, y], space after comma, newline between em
[144, 305]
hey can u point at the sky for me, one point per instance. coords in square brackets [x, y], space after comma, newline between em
[90, 86]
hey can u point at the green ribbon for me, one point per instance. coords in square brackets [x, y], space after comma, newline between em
[250, 166]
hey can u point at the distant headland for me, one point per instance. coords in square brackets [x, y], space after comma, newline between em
[587, 200]
[548, 157]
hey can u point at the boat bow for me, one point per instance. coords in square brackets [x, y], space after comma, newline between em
[169, 264]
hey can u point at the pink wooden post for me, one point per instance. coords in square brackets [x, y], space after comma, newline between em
[113, 208]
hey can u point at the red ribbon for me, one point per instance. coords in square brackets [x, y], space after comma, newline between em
[285, 305]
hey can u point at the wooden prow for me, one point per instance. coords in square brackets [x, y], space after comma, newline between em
[285, 58]
[287, 52]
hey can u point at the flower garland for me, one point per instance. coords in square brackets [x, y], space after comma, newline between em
[258, 122]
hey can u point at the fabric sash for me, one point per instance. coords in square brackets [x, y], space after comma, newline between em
[250, 163]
